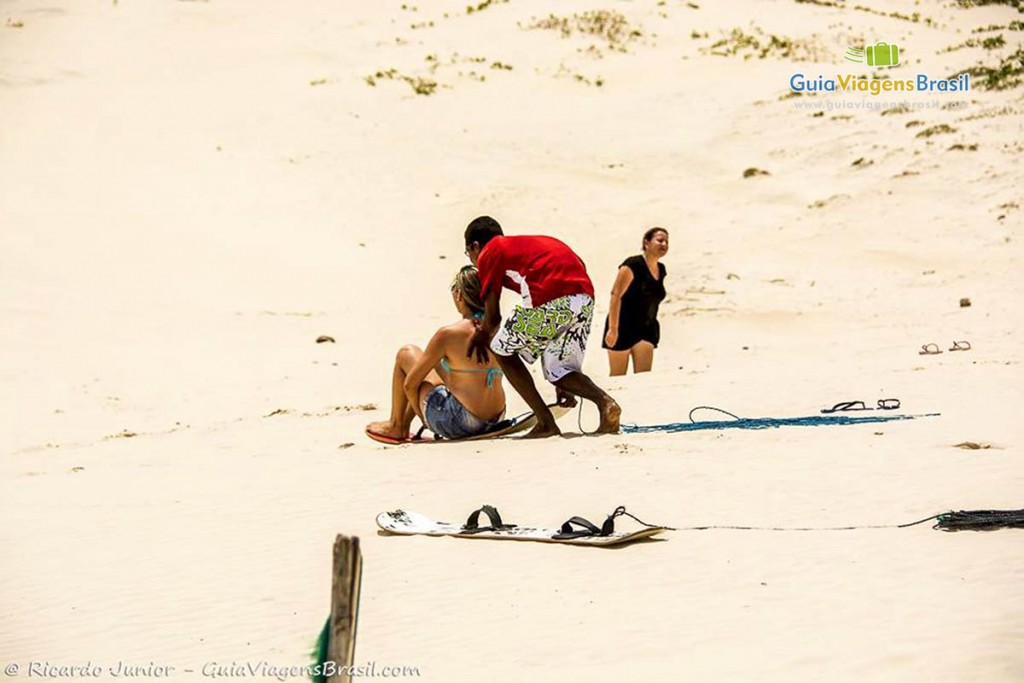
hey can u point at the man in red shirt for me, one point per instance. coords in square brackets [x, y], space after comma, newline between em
[552, 324]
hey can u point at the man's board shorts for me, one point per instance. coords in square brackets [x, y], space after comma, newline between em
[556, 332]
[446, 416]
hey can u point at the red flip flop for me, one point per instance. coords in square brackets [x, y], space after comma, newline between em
[392, 441]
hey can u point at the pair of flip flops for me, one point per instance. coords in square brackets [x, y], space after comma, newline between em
[933, 349]
[849, 406]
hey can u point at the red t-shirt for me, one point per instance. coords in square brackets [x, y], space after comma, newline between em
[540, 268]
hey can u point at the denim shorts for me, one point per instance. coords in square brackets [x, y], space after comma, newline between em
[448, 418]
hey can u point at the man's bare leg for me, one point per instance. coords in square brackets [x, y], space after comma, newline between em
[581, 385]
[519, 377]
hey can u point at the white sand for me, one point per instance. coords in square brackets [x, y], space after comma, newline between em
[183, 211]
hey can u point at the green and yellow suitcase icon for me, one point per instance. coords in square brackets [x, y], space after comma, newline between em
[883, 54]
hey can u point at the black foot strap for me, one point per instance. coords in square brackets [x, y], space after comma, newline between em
[472, 525]
[588, 528]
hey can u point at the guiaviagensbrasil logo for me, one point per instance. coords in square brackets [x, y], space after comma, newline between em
[879, 54]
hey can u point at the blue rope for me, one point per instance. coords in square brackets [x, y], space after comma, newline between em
[764, 422]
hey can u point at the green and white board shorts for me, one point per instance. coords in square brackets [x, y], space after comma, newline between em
[556, 332]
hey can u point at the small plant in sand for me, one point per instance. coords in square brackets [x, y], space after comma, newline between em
[958, 147]
[483, 5]
[1016, 4]
[424, 85]
[1007, 74]
[565, 72]
[914, 18]
[990, 27]
[419, 85]
[941, 129]
[610, 26]
[993, 112]
[990, 43]
[761, 45]
[794, 93]
[753, 172]
[15, 23]
[895, 111]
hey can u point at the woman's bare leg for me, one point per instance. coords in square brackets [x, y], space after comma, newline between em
[643, 356]
[402, 413]
[618, 362]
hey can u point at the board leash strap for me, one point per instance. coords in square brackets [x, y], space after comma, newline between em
[590, 529]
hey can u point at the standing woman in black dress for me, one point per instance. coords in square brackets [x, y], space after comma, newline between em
[631, 329]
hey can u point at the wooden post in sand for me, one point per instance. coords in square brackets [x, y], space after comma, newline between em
[348, 572]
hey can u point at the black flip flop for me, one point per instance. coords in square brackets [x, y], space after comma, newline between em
[846, 406]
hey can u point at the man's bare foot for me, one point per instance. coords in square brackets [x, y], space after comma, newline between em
[389, 429]
[543, 430]
[610, 413]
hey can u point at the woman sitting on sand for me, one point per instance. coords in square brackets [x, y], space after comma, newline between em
[631, 329]
[454, 397]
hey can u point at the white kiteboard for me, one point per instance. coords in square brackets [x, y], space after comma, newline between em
[407, 523]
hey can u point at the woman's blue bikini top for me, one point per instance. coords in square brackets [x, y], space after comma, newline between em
[491, 372]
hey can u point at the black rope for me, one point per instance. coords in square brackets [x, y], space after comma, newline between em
[981, 520]
[978, 520]
[807, 528]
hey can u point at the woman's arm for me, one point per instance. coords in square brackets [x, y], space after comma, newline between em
[432, 355]
[622, 282]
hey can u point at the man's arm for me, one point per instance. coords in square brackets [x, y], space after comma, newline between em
[481, 338]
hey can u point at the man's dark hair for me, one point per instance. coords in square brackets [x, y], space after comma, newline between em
[482, 230]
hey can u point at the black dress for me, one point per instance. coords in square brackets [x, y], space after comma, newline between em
[638, 312]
